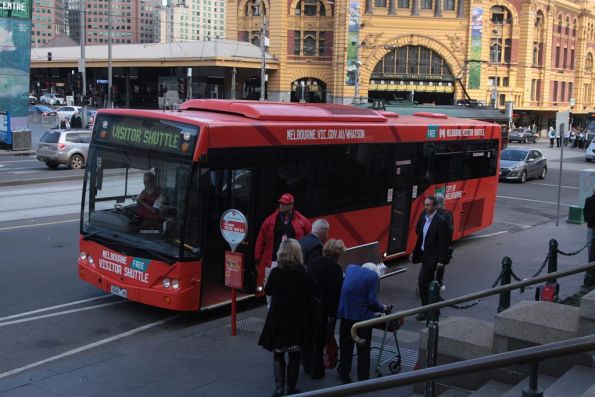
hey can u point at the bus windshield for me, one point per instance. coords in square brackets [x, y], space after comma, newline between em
[139, 203]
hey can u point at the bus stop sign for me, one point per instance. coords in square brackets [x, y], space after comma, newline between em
[234, 227]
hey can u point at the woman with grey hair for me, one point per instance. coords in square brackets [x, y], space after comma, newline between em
[329, 277]
[290, 287]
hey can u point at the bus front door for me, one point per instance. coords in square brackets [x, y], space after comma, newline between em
[399, 223]
[229, 189]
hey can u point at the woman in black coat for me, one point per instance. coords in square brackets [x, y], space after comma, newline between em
[329, 277]
[289, 285]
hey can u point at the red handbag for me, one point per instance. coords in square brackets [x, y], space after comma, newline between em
[331, 352]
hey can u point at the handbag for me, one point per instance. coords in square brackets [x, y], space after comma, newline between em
[331, 352]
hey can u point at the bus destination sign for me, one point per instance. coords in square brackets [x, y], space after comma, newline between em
[158, 135]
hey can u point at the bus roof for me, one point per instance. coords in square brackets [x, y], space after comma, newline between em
[465, 112]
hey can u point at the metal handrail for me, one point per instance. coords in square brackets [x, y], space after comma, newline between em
[522, 356]
[468, 297]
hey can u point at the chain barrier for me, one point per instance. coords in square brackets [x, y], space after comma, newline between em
[575, 252]
[475, 302]
[517, 278]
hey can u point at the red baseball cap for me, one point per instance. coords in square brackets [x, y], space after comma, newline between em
[286, 198]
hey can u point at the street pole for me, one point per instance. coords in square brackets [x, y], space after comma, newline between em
[109, 53]
[263, 72]
[562, 131]
[189, 81]
[233, 83]
[82, 69]
[497, 50]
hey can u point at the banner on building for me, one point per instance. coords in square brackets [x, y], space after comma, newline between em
[475, 59]
[352, 42]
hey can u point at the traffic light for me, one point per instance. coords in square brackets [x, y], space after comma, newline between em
[49, 56]
[182, 89]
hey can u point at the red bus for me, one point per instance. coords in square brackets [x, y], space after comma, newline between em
[365, 171]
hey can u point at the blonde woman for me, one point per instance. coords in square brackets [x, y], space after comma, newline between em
[290, 286]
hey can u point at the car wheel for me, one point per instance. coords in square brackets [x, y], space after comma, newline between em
[543, 173]
[524, 141]
[51, 164]
[523, 177]
[76, 162]
[588, 160]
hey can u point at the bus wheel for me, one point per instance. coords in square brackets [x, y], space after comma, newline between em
[76, 162]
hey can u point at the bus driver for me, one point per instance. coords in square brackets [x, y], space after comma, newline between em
[148, 202]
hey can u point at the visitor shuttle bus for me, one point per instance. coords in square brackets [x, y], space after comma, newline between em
[366, 172]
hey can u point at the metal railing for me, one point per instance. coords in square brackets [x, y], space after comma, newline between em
[468, 297]
[522, 356]
[531, 355]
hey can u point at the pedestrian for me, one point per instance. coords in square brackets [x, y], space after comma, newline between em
[290, 287]
[558, 137]
[566, 136]
[76, 121]
[534, 128]
[580, 140]
[358, 302]
[283, 223]
[447, 215]
[312, 243]
[551, 134]
[431, 248]
[65, 123]
[573, 139]
[329, 276]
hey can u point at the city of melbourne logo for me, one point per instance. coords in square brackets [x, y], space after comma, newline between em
[432, 132]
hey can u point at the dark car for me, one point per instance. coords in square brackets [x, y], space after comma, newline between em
[519, 164]
[41, 110]
[522, 135]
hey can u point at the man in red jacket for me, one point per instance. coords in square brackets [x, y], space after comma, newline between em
[284, 223]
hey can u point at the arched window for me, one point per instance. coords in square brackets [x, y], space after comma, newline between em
[255, 8]
[567, 26]
[574, 27]
[310, 8]
[589, 62]
[501, 15]
[539, 20]
[560, 23]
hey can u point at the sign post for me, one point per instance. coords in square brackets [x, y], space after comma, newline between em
[234, 228]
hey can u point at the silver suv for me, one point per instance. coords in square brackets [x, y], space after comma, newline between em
[68, 147]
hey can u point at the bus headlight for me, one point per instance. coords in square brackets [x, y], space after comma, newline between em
[83, 256]
[175, 284]
[166, 282]
[90, 259]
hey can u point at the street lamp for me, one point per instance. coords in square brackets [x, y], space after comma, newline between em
[260, 7]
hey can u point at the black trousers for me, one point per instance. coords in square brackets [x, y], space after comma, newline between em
[426, 275]
[346, 343]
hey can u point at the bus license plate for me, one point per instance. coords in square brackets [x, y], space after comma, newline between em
[119, 291]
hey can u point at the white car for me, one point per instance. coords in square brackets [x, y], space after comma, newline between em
[590, 152]
[67, 111]
[52, 99]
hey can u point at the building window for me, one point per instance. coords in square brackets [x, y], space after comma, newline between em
[563, 91]
[426, 4]
[558, 57]
[403, 4]
[589, 62]
[297, 42]
[565, 58]
[570, 88]
[495, 50]
[314, 43]
[535, 61]
[555, 95]
[572, 59]
[501, 15]
[505, 81]
[560, 23]
[449, 4]
[574, 28]
[310, 8]
[567, 26]
[380, 3]
[507, 50]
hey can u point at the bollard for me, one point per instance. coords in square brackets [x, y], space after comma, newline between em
[505, 277]
[433, 297]
[552, 264]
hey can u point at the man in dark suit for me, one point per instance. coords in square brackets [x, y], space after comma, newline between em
[431, 248]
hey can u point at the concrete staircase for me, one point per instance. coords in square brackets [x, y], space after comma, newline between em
[528, 323]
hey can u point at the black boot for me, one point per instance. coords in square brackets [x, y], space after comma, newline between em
[293, 369]
[279, 369]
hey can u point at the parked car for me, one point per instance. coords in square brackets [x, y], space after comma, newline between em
[522, 135]
[590, 152]
[519, 164]
[67, 111]
[68, 147]
[52, 99]
[32, 100]
[41, 110]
